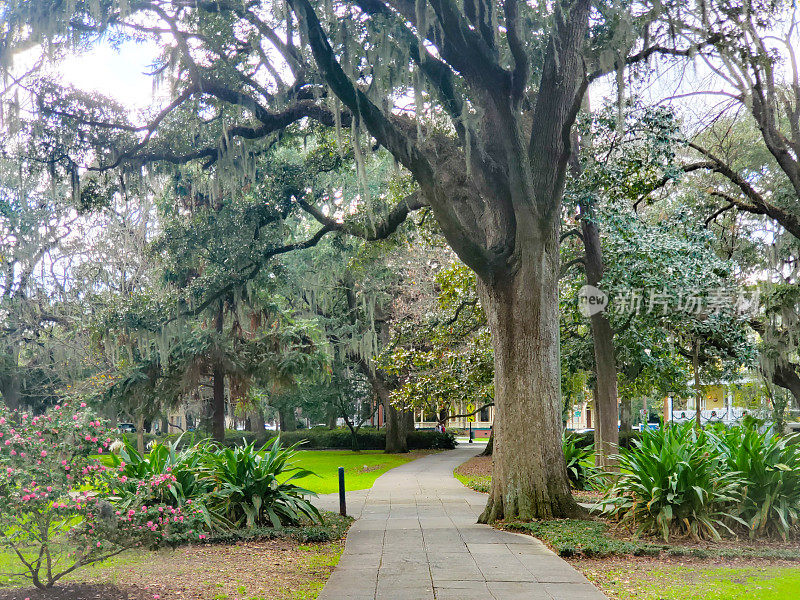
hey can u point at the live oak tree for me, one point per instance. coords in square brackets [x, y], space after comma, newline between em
[495, 86]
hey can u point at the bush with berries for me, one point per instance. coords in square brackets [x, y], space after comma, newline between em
[57, 505]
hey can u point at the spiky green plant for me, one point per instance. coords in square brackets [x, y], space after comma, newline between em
[674, 480]
[250, 487]
[770, 468]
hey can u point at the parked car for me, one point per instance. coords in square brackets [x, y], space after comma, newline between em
[126, 428]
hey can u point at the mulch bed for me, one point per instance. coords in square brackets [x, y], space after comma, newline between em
[478, 466]
[272, 570]
[72, 591]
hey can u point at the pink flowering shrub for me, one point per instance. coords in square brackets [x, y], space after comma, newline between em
[57, 508]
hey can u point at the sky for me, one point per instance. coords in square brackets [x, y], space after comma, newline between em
[118, 74]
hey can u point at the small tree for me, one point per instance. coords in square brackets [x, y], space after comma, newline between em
[54, 497]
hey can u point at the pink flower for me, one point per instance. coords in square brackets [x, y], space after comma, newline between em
[74, 417]
[98, 544]
[2, 421]
[83, 404]
[44, 453]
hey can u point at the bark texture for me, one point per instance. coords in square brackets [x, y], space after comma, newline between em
[218, 389]
[489, 445]
[606, 403]
[529, 479]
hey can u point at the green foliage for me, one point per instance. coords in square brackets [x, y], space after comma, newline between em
[322, 438]
[248, 490]
[674, 480]
[332, 526]
[56, 498]
[177, 466]
[446, 359]
[770, 468]
[573, 537]
[580, 469]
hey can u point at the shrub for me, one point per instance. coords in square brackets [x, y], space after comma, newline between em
[55, 514]
[674, 479]
[582, 474]
[368, 439]
[169, 474]
[249, 490]
[319, 438]
[770, 469]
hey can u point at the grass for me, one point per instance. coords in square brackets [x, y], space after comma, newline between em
[479, 483]
[361, 469]
[592, 539]
[679, 582]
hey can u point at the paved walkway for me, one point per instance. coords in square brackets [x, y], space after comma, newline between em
[416, 538]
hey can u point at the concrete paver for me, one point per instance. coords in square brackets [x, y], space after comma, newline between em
[416, 538]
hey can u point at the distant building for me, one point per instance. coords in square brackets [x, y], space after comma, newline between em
[480, 423]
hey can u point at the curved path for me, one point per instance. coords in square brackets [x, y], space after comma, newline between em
[416, 538]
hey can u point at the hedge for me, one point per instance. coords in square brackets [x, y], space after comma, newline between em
[586, 439]
[322, 438]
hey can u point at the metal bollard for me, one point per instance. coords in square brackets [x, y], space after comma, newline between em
[342, 504]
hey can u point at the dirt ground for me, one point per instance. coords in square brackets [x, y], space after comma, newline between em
[268, 570]
[478, 466]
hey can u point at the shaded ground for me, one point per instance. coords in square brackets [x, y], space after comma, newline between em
[276, 569]
[476, 473]
[647, 578]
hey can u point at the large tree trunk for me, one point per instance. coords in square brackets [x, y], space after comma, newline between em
[529, 475]
[698, 392]
[785, 375]
[606, 403]
[10, 386]
[489, 445]
[287, 418]
[218, 404]
[625, 418]
[140, 433]
[218, 389]
[331, 416]
[257, 423]
[396, 433]
[408, 420]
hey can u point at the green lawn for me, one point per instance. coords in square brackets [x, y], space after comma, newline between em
[361, 469]
[670, 582]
